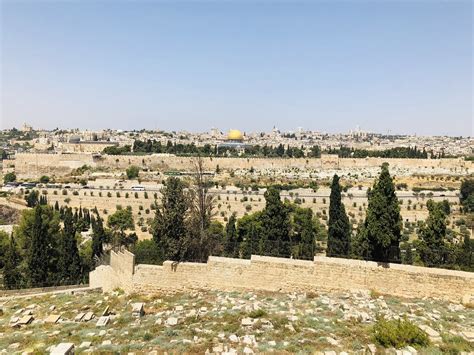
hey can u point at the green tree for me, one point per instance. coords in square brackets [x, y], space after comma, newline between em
[119, 222]
[466, 196]
[339, 232]
[32, 198]
[44, 179]
[69, 263]
[433, 248]
[38, 256]
[169, 227]
[249, 230]
[383, 223]
[275, 225]
[147, 252]
[98, 235]
[9, 177]
[132, 172]
[304, 233]
[4, 243]
[466, 258]
[38, 235]
[231, 247]
[11, 274]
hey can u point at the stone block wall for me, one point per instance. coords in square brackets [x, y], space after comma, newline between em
[34, 165]
[286, 275]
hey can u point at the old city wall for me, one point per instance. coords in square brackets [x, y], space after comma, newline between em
[33, 165]
[119, 273]
[279, 274]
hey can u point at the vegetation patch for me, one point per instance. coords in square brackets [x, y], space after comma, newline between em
[399, 333]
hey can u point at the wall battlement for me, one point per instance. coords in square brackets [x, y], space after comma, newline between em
[280, 274]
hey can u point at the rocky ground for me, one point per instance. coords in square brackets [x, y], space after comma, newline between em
[218, 322]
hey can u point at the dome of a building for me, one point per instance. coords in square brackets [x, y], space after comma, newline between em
[235, 135]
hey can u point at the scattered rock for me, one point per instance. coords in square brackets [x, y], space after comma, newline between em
[246, 322]
[372, 349]
[103, 321]
[171, 321]
[85, 344]
[433, 334]
[63, 349]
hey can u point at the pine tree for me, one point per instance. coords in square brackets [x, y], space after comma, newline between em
[11, 274]
[339, 232]
[383, 222]
[69, 264]
[231, 249]
[276, 225]
[37, 258]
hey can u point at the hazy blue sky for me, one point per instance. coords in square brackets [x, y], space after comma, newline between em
[403, 66]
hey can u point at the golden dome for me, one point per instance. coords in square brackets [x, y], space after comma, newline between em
[235, 135]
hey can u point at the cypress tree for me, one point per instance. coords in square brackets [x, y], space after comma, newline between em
[56, 206]
[231, 249]
[69, 264]
[432, 236]
[11, 274]
[37, 258]
[383, 222]
[169, 228]
[98, 235]
[466, 257]
[276, 225]
[249, 232]
[339, 232]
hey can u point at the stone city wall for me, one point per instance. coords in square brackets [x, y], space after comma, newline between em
[34, 165]
[279, 274]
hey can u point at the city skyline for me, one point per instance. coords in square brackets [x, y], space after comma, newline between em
[403, 68]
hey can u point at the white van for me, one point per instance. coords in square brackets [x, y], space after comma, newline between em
[138, 188]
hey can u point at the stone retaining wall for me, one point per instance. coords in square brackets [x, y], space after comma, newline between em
[279, 274]
[34, 165]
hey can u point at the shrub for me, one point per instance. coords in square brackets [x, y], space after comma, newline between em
[44, 179]
[453, 344]
[9, 177]
[258, 313]
[132, 172]
[398, 334]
